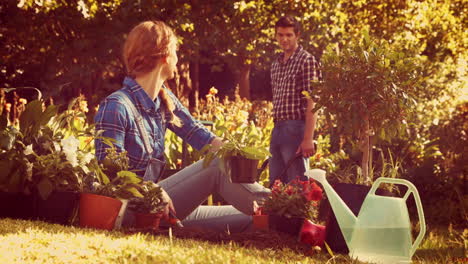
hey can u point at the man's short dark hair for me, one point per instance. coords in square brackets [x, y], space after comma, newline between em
[289, 21]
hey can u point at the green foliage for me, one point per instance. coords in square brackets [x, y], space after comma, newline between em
[93, 32]
[442, 165]
[361, 80]
[16, 169]
[113, 179]
[34, 117]
[237, 145]
[125, 185]
[114, 162]
[38, 157]
[324, 158]
[152, 200]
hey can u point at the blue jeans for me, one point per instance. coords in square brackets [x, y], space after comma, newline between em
[286, 138]
[190, 187]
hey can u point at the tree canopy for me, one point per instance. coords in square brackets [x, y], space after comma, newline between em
[75, 46]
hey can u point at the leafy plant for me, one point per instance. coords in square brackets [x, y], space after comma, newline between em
[235, 147]
[59, 149]
[112, 177]
[360, 82]
[152, 200]
[18, 144]
[295, 199]
[62, 169]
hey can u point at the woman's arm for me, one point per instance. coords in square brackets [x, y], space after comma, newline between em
[192, 131]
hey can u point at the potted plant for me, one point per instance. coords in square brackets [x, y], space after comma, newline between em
[148, 209]
[291, 205]
[58, 178]
[368, 88]
[111, 183]
[16, 159]
[60, 156]
[239, 157]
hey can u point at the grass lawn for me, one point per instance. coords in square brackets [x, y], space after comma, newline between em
[38, 242]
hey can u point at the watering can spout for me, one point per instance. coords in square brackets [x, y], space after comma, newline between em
[344, 216]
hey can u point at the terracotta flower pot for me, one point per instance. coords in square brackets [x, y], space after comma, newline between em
[98, 211]
[260, 222]
[148, 221]
[312, 234]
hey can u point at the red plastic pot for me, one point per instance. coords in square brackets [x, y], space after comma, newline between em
[312, 234]
[98, 211]
[148, 221]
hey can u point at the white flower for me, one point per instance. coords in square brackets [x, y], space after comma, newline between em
[72, 157]
[28, 150]
[86, 158]
[70, 148]
[70, 144]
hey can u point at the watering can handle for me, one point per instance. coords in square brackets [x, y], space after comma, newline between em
[411, 190]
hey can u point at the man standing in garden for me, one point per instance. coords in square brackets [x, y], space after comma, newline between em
[292, 73]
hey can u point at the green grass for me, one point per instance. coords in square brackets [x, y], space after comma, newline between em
[39, 242]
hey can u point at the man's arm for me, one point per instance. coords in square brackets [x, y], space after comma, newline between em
[307, 145]
[310, 72]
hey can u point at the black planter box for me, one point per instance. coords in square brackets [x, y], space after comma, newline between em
[243, 170]
[17, 206]
[353, 195]
[284, 224]
[58, 208]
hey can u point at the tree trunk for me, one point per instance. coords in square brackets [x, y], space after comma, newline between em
[365, 148]
[194, 75]
[371, 158]
[244, 81]
[181, 84]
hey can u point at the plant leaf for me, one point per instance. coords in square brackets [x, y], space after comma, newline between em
[45, 188]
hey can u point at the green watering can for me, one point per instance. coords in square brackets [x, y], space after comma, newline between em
[381, 233]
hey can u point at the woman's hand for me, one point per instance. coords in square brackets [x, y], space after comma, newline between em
[216, 143]
[169, 205]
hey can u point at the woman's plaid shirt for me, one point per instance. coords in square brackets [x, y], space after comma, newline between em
[288, 80]
[117, 122]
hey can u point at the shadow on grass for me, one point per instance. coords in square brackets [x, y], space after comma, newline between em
[253, 239]
[456, 255]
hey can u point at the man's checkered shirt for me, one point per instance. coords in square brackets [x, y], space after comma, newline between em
[288, 80]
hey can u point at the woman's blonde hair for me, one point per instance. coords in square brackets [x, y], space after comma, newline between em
[146, 43]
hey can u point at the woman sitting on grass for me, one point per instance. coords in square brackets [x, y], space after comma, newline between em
[137, 116]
